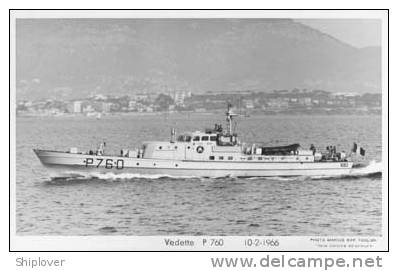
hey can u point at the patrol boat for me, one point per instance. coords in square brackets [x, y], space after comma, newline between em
[211, 153]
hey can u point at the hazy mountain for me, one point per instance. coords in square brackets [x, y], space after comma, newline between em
[75, 57]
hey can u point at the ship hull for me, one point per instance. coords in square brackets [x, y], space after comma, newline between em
[62, 162]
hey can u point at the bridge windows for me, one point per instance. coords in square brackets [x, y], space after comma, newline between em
[205, 138]
[184, 138]
[196, 138]
[230, 158]
[211, 157]
[221, 158]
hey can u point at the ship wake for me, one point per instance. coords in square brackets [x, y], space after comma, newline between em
[79, 177]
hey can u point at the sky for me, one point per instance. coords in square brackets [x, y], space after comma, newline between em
[356, 32]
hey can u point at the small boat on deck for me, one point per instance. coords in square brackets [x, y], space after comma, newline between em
[215, 152]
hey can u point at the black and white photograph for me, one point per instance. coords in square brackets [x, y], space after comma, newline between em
[199, 130]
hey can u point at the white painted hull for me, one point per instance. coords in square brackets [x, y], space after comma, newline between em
[77, 163]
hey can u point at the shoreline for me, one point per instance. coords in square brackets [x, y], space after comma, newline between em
[194, 114]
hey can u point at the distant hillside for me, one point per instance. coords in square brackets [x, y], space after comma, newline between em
[72, 58]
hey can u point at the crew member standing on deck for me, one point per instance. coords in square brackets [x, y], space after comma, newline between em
[312, 148]
[100, 150]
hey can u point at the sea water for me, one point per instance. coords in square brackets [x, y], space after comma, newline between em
[164, 205]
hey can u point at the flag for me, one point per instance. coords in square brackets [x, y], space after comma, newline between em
[354, 147]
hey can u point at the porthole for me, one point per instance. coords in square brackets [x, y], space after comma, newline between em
[160, 147]
[175, 147]
[176, 165]
[154, 164]
[138, 164]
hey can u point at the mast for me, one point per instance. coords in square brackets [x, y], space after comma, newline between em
[230, 116]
